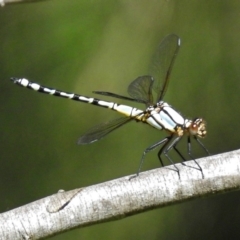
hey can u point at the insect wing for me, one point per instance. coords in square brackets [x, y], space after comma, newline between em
[141, 89]
[109, 94]
[162, 64]
[101, 130]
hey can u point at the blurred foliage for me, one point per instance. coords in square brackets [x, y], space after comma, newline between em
[82, 46]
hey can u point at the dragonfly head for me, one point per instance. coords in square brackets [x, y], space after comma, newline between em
[197, 127]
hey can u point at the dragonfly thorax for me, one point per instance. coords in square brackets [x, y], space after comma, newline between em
[163, 117]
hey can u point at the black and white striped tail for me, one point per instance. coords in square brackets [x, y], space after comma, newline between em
[126, 110]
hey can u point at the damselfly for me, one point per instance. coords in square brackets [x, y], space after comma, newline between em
[159, 115]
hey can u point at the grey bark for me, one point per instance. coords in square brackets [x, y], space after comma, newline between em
[121, 198]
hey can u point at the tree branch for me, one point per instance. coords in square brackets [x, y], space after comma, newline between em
[121, 198]
[4, 2]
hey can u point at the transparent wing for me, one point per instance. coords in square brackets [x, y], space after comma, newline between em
[96, 133]
[109, 94]
[141, 89]
[162, 64]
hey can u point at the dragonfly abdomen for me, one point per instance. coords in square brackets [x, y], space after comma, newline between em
[128, 111]
[123, 109]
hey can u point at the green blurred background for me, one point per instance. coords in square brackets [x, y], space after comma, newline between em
[82, 46]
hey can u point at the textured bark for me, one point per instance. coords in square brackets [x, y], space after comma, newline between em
[121, 198]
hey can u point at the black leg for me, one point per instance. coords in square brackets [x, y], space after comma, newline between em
[162, 148]
[201, 144]
[181, 156]
[166, 150]
[191, 156]
[150, 148]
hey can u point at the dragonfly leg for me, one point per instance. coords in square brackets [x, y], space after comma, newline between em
[201, 144]
[181, 156]
[191, 156]
[162, 148]
[150, 148]
[166, 150]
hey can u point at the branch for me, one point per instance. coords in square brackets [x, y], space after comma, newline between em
[4, 2]
[121, 198]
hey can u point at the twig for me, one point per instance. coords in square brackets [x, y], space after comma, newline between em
[4, 2]
[121, 198]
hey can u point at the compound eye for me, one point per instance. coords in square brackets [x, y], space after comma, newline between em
[194, 128]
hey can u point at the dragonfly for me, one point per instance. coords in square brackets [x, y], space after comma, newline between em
[158, 114]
